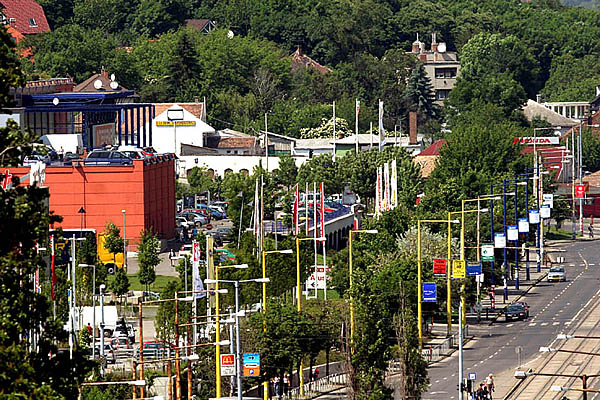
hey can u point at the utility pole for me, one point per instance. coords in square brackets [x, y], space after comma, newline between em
[460, 353]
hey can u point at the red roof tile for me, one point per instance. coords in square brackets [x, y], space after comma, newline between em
[434, 149]
[29, 17]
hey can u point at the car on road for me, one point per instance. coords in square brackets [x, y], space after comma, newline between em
[557, 274]
[107, 157]
[194, 218]
[525, 305]
[156, 349]
[515, 311]
[121, 342]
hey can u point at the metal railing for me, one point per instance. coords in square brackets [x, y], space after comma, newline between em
[317, 387]
[437, 352]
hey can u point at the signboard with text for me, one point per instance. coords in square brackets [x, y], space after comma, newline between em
[487, 252]
[251, 364]
[473, 268]
[458, 269]
[440, 266]
[429, 291]
[227, 364]
[534, 216]
[512, 232]
[523, 225]
[545, 211]
[537, 140]
[499, 240]
[548, 198]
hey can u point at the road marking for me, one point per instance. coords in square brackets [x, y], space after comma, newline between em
[544, 324]
[555, 323]
[509, 325]
[533, 324]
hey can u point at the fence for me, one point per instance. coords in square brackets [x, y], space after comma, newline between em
[317, 387]
[435, 353]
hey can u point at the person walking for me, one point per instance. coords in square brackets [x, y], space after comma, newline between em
[489, 385]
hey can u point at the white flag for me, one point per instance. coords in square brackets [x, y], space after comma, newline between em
[198, 286]
[394, 185]
[382, 140]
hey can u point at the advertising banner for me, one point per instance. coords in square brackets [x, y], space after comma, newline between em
[458, 269]
[579, 191]
[198, 285]
[512, 232]
[228, 365]
[439, 266]
[499, 240]
[251, 364]
[429, 291]
[523, 225]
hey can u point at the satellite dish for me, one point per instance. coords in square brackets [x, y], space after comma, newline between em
[442, 47]
[55, 101]
[98, 84]
[112, 77]
[114, 85]
[230, 34]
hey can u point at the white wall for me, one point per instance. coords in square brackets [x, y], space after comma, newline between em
[68, 142]
[234, 162]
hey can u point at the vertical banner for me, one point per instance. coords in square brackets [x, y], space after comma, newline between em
[379, 189]
[334, 137]
[381, 130]
[54, 280]
[296, 195]
[322, 207]
[356, 123]
[255, 227]
[38, 287]
[306, 214]
[377, 200]
[210, 267]
[386, 192]
[394, 185]
[198, 286]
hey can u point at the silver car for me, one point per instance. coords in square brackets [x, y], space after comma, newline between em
[557, 274]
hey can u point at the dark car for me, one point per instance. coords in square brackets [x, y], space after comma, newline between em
[157, 349]
[525, 305]
[515, 311]
[107, 157]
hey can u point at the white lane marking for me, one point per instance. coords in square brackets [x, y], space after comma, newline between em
[542, 324]
[555, 323]
[533, 324]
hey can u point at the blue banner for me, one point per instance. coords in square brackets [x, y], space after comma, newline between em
[429, 291]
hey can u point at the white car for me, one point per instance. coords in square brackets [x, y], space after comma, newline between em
[181, 222]
[557, 274]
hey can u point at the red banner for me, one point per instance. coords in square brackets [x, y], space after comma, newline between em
[322, 210]
[440, 266]
[579, 191]
[54, 280]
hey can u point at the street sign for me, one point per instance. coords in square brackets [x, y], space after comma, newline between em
[545, 211]
[472, 376]
[480, 278]
[579, 191]
[227, 364]
[548, 198]
[439, 266]
[458, 269]
[487, 252]
[534, 216]
[473, 268]
[251, 364]
[512, 232]
[500, 240]
[429, 291]
[523, 225]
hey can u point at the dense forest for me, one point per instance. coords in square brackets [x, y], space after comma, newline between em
[509, 51]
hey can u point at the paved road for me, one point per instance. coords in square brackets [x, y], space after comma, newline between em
[554, 308]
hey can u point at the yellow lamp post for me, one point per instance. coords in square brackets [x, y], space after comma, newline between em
[218, 324]
[264, 299]
[299, 298]
[350, 271]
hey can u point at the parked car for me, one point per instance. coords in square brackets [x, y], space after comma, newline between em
[121, 342]
[134, 153]
[557, 274]
[182, 222]
[107, 157]
[194, 218]
[515, 311]
[109, 352]
[156, 349]
[201, 211]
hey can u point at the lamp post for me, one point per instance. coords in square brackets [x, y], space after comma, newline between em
[264, 299]
[102, 287]
[93, 307]
[218, 325]
[350, 272]
[299, 295]
[124, 241]
[174, 115]
[238, 352]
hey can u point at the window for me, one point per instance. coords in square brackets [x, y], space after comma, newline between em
[32, 22]
[442, 94]
[445, 73]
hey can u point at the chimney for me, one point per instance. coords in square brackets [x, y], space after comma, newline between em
[434, 44]
[412, 127]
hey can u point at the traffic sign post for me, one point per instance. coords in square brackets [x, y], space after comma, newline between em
[440, 266]
[251, 364]
[458, 269]
[429, 291]
[487, 252]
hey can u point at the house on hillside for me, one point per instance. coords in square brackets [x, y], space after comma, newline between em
[428, 158]
[99, 82]
[559, 122]
[23, 17]
[301, 61]
[202, 25]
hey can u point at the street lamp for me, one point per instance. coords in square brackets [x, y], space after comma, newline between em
[299, 296]
[218, 325]
[237, 323]
[124, 242]
[351, 271]
[93, 306]
[264, 298]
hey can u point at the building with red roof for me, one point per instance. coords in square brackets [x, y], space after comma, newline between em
[26, 17]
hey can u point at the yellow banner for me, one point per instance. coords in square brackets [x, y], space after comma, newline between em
[179, 123]
[459, 269]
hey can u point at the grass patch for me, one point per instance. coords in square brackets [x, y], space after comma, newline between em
[558, 234]
[158, 285]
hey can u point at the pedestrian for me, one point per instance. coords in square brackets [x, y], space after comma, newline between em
[61, 153]
[591, 230]
[277, 386]
[89, 328]
[316, 373]
[489, 384]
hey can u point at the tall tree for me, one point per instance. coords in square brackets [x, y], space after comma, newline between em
[148, 259]
[419, 94]
[113, 241]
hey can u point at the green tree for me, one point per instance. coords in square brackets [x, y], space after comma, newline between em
[28, 371]
[287, 172]
[183, 68]
[591, 150]
[113, 241]
[120, 285]
[200, 180]
[319, 169]
[325, 130]
[419, 94]
[148, 259]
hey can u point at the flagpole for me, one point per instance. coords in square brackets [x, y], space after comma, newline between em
[356, 123]
[371, 133]
[323, 243]
[316, 227]
[334, 137]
